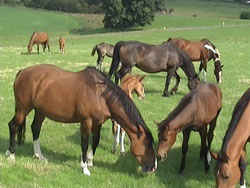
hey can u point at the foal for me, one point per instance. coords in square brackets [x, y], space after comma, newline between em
[129, 84]
[195, 111]
[62, 44]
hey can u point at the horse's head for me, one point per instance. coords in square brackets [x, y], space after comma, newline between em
[139, 87]
[29, 49]
[142, 148]
[227, 173]
[166, 137]
[193, 82]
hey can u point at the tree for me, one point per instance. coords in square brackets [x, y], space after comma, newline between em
[121, 14]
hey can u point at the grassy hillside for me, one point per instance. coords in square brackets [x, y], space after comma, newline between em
[61, 142]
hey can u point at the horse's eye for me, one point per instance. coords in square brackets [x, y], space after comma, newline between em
[225, 177]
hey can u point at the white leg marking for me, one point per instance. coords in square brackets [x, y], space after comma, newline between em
[205, 76]
[85, 169]
[208, 157]
[220, 76]
[122, 142]
[90, 157]
[117, 138]
[244, 186]
[37, 150]
[10, 156]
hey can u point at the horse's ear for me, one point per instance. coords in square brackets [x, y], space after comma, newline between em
[157, 123]
[141, 78]
[214, 155]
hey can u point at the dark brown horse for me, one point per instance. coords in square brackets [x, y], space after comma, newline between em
[102, 49]
[152, 59]
[39, 38]
[195, 111]
[62, 44]
[230, 166]
[87, 97]
[129, 84]
[203, 50]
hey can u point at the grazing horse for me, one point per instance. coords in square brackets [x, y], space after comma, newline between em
[87, 97]
[152, 59]
[230, 166]
[203, 51]
[38, 38]
[102, 49]
[194, 112]
[62, 44]
[129, 84]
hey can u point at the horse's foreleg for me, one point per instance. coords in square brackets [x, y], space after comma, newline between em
[85, 131]
[242, 165]
[48, 46]
[37, 48]
[116, 132]
[175, 88]
[167, 82]
[122, 141]
[203, 66]
[186, 136]
[36, 128]
[96, 138]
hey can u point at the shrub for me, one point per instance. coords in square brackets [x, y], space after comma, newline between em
[245, 15]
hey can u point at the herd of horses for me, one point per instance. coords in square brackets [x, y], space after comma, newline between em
[90, 98]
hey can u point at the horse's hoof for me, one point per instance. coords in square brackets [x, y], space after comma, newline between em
[122, 153]
[10, 156]
[165, 95]
[40, 157]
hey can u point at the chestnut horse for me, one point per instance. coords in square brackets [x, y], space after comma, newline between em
[39, 38]
[62, 44]
[87, 97]
[203, 50]
[102, 49]
[195, 111]
[152, 59]
[230, 166]
[129, 84]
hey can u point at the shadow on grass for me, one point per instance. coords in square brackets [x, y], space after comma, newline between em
[99, 30]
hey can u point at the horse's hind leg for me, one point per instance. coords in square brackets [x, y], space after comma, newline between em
[48, 46]
[37, 48]
[175, 88]
[17, 121]
[121, 73]
[123, 133]
[204, 149]
[167, 82]
[116, 132]
[36, 128]
[186, 136]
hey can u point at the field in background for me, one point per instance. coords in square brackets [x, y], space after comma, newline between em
[61, 142]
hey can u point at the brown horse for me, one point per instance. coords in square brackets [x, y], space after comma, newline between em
[62, 44]
[129, 84]
[87, 97]
[39, 38]
[195, 111]
[203, 51]
[230, 166]
[152, 59]
[102, 49]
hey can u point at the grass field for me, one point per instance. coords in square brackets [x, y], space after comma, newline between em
[60, 143]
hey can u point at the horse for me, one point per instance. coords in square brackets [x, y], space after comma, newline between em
[152, 59]
[129, 84]
[39, 38]
[203, 50]
[102, 49]
[230, 165]
[87, 97]
[195, 111]
[62, 44]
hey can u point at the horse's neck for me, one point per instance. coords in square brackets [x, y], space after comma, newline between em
[32, 40]
[240, 136]
[182, 120]
[188, 68]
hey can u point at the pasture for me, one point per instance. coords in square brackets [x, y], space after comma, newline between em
[60, 143]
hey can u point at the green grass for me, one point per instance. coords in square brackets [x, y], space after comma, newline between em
[61, 142]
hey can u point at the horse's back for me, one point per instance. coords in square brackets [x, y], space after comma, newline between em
[42, 36]
[61, 95]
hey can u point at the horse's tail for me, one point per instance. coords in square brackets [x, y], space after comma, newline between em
[94, 49]
[116, 58]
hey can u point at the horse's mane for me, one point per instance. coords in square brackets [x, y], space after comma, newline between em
[183, 103]
[32, 36]
[236, 115]
[116, 93]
